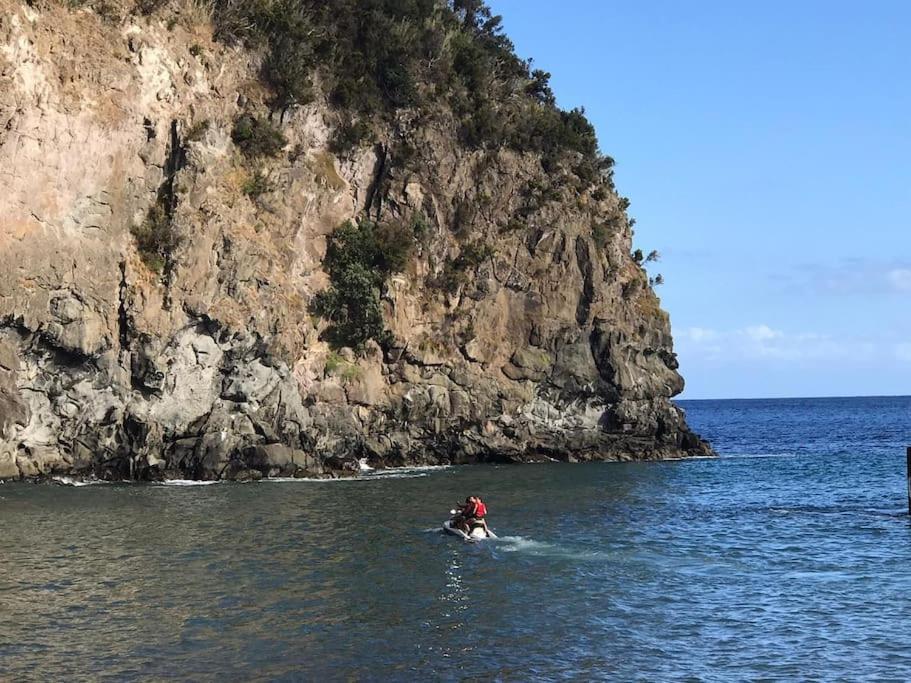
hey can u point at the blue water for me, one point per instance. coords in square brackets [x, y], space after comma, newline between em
[860, 426]
[785, 559]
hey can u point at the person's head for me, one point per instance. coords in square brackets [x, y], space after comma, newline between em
[469, 499]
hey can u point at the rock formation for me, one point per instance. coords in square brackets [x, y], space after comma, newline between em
[210, 362]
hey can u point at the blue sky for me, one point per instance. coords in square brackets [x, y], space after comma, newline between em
[766, 150]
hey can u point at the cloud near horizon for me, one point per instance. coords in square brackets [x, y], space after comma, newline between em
[763, 342]
[900, 279]
[850, 276]
[903, 352]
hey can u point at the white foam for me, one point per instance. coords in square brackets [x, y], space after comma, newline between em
[417, 470]
[395, 475]
[514, 544]
[288, 480]
[750, 456]
[367, 473]
[520, 544]
[188, 482]
[372, 476]
[72, 481]
[686, 458]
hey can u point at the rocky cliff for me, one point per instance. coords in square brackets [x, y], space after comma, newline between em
[158, 272]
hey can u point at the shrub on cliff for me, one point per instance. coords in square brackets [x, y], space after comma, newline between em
[348, 135]
[197, 131]
[352, 307]
[149, 6]
[290, 62]
[256, 185]
[155, 238]
[359, 258]
[257, 137]
[456, 271]
[108, 10]
[601, 233]
[395, 245]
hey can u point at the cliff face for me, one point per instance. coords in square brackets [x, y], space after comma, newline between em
[211, 364]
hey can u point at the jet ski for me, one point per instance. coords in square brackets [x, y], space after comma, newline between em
[478, 533]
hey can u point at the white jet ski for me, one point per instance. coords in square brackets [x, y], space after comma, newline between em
[477, 533]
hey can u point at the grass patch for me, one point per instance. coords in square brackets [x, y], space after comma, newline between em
[601, 233]
[649, 305]
[338, 366]
[324, 168]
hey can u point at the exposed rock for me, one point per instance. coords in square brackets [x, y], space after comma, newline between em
[554, 347]
[248, 475]
[8, 468]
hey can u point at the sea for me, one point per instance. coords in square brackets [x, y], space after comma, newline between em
[786, 558]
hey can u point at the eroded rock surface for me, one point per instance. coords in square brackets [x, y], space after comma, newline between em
[555, 346]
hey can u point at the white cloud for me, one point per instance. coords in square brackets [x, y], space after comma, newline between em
[903, 352]
[763, 342]
[698, 334]
[852, 276]
[900, 279]
[761, 333]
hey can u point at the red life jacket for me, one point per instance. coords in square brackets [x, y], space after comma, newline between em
[480, 510]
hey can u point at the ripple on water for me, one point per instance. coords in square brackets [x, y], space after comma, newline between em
[776, 568]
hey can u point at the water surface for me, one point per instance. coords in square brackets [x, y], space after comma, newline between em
[786, 559]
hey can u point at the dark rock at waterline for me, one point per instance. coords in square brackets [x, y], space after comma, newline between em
[248, 475]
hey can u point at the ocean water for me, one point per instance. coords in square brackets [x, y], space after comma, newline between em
[788, 558]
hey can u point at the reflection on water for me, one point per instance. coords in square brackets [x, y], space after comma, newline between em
[456, 599]
[740, 568]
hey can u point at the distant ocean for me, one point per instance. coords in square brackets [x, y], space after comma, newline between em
[869, 425]
[785, 559]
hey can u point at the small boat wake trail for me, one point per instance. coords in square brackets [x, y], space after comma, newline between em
[529, 546]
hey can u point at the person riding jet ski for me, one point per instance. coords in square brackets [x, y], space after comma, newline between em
[479, 514]
[469, 520]
[461, 513]
[472, 514]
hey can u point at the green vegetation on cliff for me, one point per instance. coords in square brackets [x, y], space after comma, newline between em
[156, 238]
[375, 57]
[257, 137]
[457, 271]
[359, 258]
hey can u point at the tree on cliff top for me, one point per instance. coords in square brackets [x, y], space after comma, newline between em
[375, 57]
